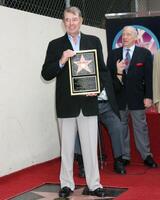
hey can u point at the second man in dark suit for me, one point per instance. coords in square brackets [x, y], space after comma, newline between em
[131, 68]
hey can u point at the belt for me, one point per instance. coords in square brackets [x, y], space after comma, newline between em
[102, 101]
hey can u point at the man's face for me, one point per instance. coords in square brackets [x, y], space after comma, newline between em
[128, 37]
[72, 23]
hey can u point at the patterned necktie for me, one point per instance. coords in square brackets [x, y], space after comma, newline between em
[127, 60]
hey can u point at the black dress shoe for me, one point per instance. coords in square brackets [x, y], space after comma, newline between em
[125, 162]
[65, 192]
[119, 167]
[150, 162]
[99, 192]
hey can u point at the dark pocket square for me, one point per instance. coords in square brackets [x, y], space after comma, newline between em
[139, 64]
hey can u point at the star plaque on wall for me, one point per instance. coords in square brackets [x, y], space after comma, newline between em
[83, 72]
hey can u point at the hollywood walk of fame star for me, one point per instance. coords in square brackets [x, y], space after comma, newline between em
[83, 64]
[47, 195]
[77, 195]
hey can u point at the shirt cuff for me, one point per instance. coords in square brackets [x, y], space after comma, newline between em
[61, 65]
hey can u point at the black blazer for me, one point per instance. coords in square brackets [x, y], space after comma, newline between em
[137, 83]
[67, 105]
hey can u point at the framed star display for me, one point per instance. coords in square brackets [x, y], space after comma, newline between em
[83, 73]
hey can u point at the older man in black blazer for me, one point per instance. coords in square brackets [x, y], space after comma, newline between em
[131, 68]
[74, 112]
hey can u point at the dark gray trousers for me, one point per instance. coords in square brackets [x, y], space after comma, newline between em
[112, 122]
[140, 132]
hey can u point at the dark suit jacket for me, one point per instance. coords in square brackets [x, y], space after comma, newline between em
[67, 105]
[137, 83]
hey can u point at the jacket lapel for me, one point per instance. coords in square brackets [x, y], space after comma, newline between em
[134, 56]
[67, 44]
[83, 42]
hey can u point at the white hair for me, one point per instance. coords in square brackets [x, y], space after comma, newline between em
[132, 29]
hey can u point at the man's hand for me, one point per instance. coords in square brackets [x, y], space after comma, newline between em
[66, 55]
[147, 103]
[91, 94]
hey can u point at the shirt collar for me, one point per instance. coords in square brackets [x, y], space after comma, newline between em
[78, 36]
[131, 48]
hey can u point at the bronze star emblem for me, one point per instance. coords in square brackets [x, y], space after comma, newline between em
[83, 64]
